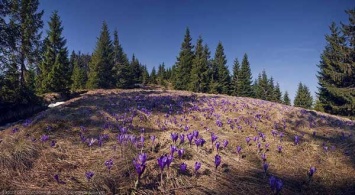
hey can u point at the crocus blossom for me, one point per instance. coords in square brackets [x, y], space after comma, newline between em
[197, 166]
[56, 177]
[109, 164]
[225, 143]
[162, 162]
[181, 152]
[183, 167]
[311, 171]
[89, 175]
[247, 139]
[217, 160]
[174, 137]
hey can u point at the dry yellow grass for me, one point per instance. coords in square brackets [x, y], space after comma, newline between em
[31, 165]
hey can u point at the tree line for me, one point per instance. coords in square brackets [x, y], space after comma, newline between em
[31, 65]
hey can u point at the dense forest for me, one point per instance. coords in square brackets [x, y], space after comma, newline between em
[33, 63]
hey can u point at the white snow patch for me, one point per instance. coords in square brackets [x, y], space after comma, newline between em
[55, 104]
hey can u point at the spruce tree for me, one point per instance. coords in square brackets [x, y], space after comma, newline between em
[277, 95]
[245, 78]
[145, 76]
[234, 83]
[184, 63]
[54, 70]
[153, 76]
[255, 88]
[303, 97]
[270, 96]
[22, 35]
[101, 65]
[161, 74]
[336, 76]
[209, 73]
[136, 70]
[199, 71]
[220, 63]
[122, 71]
[286, 100]
[79, 73]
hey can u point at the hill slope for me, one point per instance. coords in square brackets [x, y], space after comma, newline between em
[120, 125]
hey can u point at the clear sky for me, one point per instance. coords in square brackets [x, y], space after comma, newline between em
[284, 37]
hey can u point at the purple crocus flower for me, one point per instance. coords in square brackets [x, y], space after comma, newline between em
[239, 149]
[312, 170]
[182, 138]
[274, 133]
[53, 142]
[56, 177]
[225, 143]
[217, 160]
[174, 137]
[217, 146]
[186, 128]
[44, 138]
[162, 162]
[109, 164]
[152, 137]
[281, 135]
[172, 149]
[275, 184]
[14, 130]
[142, 158]
[325, 148]
[190, 136]
[183, 167]
[219, 123]
[139, 167]
[142, 139]
[247, 139]
[169, 160]
[279, 148]
[92, 141]
[89, 175]
[297, 140]
[181, 152]
[197, 166]
[263, 136]
[213, 137]
[267, 146]
[195, 133]
[263, 156]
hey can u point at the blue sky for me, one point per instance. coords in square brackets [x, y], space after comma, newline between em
[284, 37]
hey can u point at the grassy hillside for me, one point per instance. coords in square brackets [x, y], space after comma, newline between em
[101, 125]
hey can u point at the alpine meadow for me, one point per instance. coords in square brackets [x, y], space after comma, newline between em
[123, 97]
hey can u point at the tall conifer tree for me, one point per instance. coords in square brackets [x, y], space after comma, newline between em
[101, 65]
[245, 78]
[336, 76]
[54, 70]
[235, 88]
[220, 63]
[122, 70]
[20, 40]
[286, 100]
[199, 71]
[303, 97]
[184, 63]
